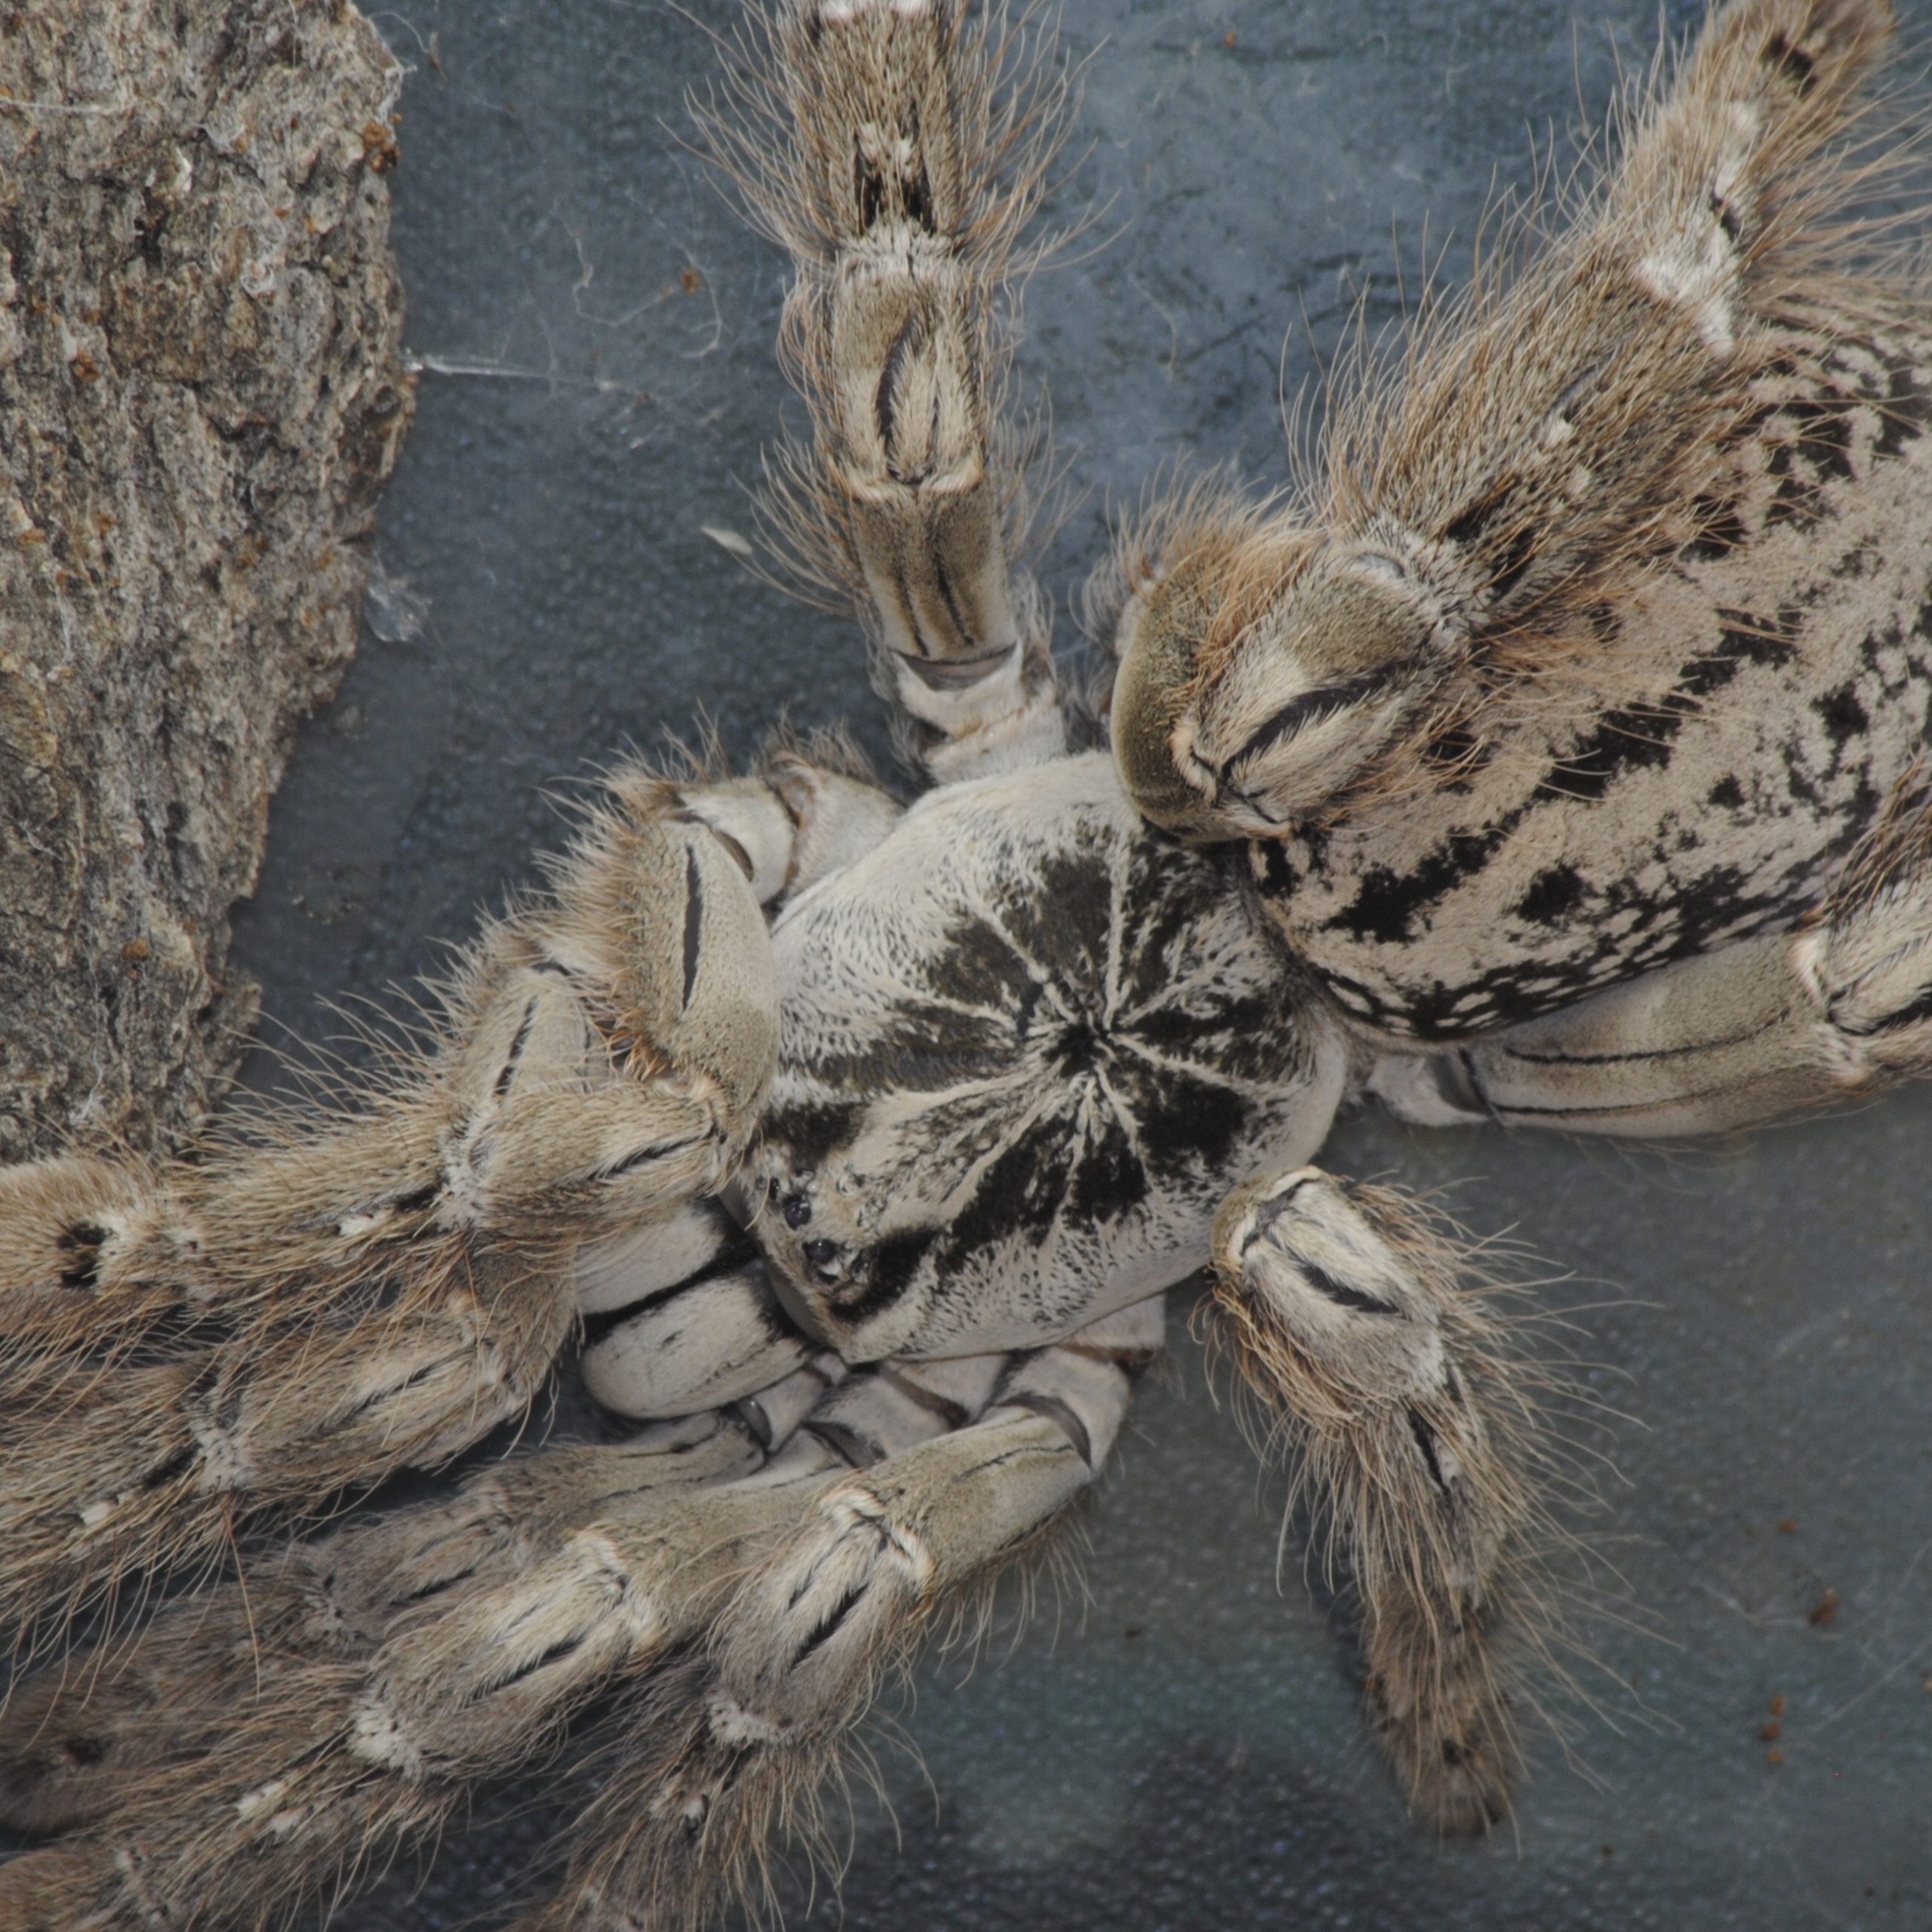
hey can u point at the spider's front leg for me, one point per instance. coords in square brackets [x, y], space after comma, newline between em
[354, 1289]
[1358, 1321]
[1547, 443]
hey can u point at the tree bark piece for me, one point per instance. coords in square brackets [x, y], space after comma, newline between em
[201, 391]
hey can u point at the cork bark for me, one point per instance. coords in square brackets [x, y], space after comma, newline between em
[201, 391]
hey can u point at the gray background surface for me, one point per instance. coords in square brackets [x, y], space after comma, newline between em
[1183, 1752]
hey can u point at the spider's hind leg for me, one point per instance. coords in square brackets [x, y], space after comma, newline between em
[76, 1735]
[285, 1740]
[1359, 1323]
[728, 1754]
[749, 1596]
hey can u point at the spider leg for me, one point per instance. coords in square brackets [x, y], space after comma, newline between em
[1353, 1318]
[252, 1767]
[895, 148]
[1840, 1008]
[405, 1661]
[729, 1751]
[1543, 442]
[357, 1288]
[73, 1734]
[79, 1226]
[679, 1318]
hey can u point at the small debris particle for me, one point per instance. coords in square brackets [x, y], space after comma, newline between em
[84, 368]
[1229, 39]
[1134, 1633]
[1608, 1850]
[379, 147]
[1777, 1705]
[135, 951]
[1823, 1611]
[1788, 1526]
[691, 281]
[1771, 1732]
[727, 539]
[30, 537]
[1774, 1756]
[393, 611]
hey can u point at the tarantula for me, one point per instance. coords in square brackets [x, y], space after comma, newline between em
[1553, 757]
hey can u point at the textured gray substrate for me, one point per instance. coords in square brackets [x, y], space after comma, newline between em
[1185, 1754]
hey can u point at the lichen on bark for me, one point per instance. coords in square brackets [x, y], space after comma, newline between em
[201, 391]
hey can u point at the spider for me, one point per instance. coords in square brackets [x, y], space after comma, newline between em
[1016, 1058]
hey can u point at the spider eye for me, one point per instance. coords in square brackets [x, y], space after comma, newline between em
[820, 1253]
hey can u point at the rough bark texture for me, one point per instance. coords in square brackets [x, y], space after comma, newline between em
[201, 390]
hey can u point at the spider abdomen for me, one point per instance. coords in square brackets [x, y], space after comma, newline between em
[1735, 729]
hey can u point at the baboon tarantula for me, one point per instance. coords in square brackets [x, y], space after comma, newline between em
[1553, 756]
